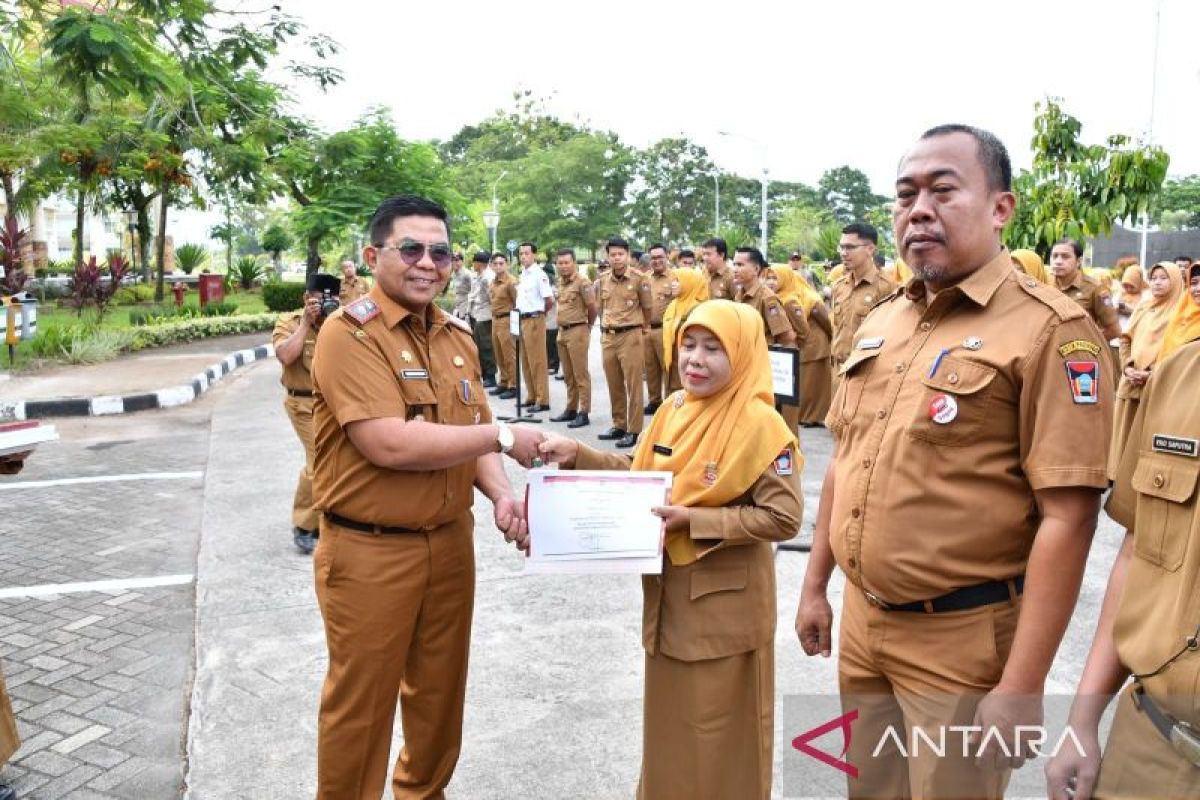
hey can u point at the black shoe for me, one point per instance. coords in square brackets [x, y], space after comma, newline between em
[305, 540]
[651, 407]
[507, 394]
[7, 792]
[488, 383]
[579, 421]
[537, 409]
[628, 440]
[495, 390]
[611, 433]
[560, 377]
[565, 416]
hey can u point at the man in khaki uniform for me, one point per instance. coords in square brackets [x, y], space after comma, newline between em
[625, 305]
[961, 499]
[652, 345]
[404, 435]
[353, 287]
[1148, 623]
[861, 286]
[535, 297]
[504, 300]
[576, 315]
[748, 264]
[720, 277]
[1066, 262]
[294, 339]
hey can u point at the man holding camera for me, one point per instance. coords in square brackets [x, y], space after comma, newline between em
[295, 338]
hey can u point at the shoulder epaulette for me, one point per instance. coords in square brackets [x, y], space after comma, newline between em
[458, 323]
[363, 310]
[1063, 306]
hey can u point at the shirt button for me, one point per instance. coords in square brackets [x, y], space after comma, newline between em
[952, 377]
[853, 562]
[881, 413]
[925, 326]
[866, 462]
[1159, 481]
[854, 512]
[900, 367]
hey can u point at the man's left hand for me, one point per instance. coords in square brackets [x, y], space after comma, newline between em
[509, 514]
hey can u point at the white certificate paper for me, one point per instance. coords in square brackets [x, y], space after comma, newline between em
[595, 521]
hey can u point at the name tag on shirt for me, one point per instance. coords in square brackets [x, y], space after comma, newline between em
[1178, 445]
[414, 374]
[873, 343]
[662, 450]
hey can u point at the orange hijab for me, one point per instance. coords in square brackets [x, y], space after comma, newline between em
[1149, 322]
[786, 289]
[1133, 275]
[1031, 263]
[1185, 320]
[721, 444]
[693, 290]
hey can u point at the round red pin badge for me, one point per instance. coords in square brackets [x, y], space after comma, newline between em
[943, 409]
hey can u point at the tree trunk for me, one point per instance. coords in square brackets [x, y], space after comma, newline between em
[164, 204]
[79, 215]
[10, 197]
[143, 239]
[314, 255]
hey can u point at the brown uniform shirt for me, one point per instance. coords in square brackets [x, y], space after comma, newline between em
[820, 330]
[799, 320]
[504, 295]
[949, 416]
[1155, 496]
[573, 297]
[764, 301]
[374, 359]
[1092, 298]
[298, 374]
[622, 299]
[851, 301]
[352, 289]
[660, 292]
[721, 285]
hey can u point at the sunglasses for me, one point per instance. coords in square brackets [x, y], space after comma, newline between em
[411, 252]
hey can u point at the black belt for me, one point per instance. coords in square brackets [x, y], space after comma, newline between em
[1184, 739]
[532, 314]
[981, 594]
[300, 392]
[656, 325]
[366, 527]
[621, 328]
[566, 326]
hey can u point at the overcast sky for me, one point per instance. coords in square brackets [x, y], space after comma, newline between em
[819, 84]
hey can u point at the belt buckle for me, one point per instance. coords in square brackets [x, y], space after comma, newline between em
[1186, 742]
[874, 600]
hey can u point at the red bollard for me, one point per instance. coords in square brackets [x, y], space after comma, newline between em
[180, 290]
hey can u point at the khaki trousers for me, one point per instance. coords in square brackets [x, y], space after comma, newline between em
[708, 727]
[652, 347]
[623, 365]
[533, 359]
[573, 357]
[816, 384]
[1139, 764]
[902, 669]
[505, 351]
[299, 411]
[397, 612]
[9, 740]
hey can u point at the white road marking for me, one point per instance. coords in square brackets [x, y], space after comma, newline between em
[137, 476]
[51, 589]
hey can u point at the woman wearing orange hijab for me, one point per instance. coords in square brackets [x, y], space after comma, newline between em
[689, 288]
[783, 281]
[708, 623]
[1184, 326]
[1140, 345]
[1030, 263]
[1133, 291]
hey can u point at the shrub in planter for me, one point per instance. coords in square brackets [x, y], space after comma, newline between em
[283, 297]
[190, 256]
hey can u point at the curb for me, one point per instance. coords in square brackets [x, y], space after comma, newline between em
[11, 410]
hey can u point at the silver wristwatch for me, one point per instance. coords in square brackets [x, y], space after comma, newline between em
[504, 438]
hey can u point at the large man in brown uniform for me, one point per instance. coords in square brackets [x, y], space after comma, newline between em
[965, 392]
[721, 284]
[294, 339]
[1148, 623]
[504, 300]
[576, 315]
[659, 280]
[861, 286]
[403, 434]
[1066, 264]
[625, 305]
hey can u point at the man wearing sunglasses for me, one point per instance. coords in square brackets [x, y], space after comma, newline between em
[403, 436]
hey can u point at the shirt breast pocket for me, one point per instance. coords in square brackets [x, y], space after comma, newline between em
[854, 379]
[955, 403]
[420, 399]
[1164, 483]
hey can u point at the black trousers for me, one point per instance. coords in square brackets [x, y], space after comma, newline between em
[552, 349]
[481, 330]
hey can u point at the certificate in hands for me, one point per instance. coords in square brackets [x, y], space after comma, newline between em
[595, 521]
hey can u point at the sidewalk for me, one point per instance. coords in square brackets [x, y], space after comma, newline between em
[158, 378]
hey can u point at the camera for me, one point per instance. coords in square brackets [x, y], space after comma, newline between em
[329, 303]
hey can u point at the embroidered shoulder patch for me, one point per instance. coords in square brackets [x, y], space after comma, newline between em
[362, 311]
[783, 463]
[1076, 345]
[1084, 378]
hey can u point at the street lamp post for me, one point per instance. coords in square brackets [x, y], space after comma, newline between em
[762, 152]
[1150, 131]
[717, 205]
[492, 218]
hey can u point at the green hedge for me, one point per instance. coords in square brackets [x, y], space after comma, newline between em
[283, 297]
[193, 329]
[156, 315]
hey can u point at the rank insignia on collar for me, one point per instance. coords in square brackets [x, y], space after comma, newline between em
[1079, 345]
[363, 310]
[1084, 378]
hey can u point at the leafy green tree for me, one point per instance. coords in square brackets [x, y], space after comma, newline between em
[798, 227]
[275, 240]
[673, 188]
[1080, 190]
[1178, 206]
[847, 194]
